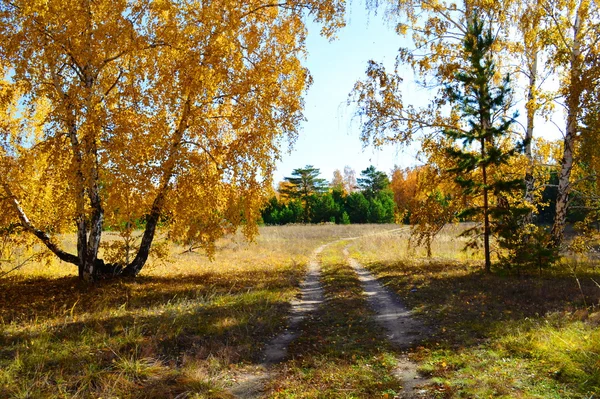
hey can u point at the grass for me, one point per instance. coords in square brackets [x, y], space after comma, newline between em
[498, 335]
[186, 327]
[341, 352]
[148, 338]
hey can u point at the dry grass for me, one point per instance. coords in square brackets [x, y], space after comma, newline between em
[274, 243]
[498, 335]
[185, 327]
[397, 244]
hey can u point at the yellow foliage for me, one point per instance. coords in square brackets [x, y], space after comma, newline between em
[168, 108]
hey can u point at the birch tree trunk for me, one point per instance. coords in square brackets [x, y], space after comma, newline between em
[531, 111]
[133, 268]
[573, 110]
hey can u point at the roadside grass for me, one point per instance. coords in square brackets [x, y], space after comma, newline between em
[341, 352]
[188, 326]
[447, 244]
[295, 242]
[153, 337]
[184, 328]
[497, 335]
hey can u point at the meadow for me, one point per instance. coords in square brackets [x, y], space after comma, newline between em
[190, 327]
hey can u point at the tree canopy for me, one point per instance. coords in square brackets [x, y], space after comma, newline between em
[372, 181]
[165, 112]
[303, 185]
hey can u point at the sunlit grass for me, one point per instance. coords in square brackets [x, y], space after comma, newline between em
[498, 335]
[398, 244]
[186, 326]
[274, 244]
[341, 353]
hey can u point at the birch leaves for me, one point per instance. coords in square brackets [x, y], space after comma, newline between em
[160, 111]
[536, 41]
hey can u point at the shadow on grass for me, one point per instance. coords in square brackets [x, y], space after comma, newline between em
[40, 298]
[63, 338]
[463, 303]
[502, 335]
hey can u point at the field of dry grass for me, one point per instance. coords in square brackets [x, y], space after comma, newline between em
[186, 326]
[189, 327]
[500, 334]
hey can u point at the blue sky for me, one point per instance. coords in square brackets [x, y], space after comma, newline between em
[328, 139]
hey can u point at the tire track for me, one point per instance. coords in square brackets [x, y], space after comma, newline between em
[251, 386]
[402, 330]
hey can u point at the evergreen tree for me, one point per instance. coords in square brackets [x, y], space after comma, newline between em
[383, 207]
[270, 213]
[325, 209]
[482, 106]
[372, 181]
[278, 212]
[345, 219]
[304, 183]
[357, 208]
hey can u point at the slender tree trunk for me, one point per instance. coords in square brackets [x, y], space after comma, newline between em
[486, 215]
[81, 245]
[27, 225]
[134, 268]
[306, 204]
[573, 104]
[90, 161]
[428, 244]
[564, 186]
[93, 244]
[92, 263]
[87, 244]
[531, 111]
[80, 187]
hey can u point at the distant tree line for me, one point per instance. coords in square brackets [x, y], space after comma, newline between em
[304, 197]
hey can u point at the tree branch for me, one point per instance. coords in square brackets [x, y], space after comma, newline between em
[45, 238]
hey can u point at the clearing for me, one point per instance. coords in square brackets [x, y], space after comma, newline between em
[290, 322]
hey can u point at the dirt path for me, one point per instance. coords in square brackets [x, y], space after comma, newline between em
[402, 329]
[251, 385]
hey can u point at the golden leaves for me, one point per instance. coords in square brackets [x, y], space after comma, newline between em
[134, 100]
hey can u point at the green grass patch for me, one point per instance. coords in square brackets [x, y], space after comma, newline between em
[500, 335]
[150, 337]
[341, 353]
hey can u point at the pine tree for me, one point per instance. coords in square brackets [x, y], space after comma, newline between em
[372, 181]
[482, 106]
[304, 184]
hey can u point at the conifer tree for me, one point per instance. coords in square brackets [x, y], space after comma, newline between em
[304, 183]
[372, 181]
[478, 148]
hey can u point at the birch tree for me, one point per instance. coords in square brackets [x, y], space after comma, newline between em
[575, 28]
[167, 112]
